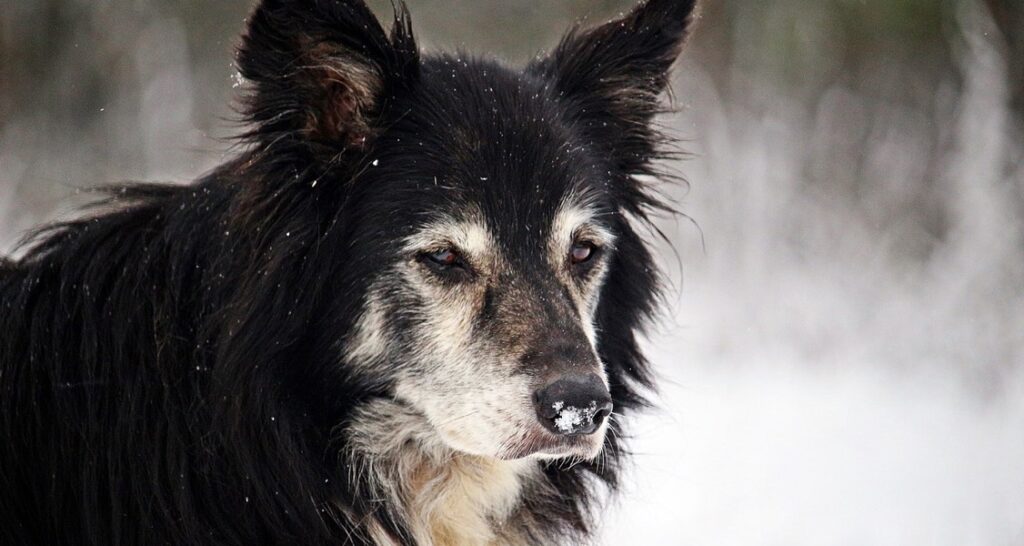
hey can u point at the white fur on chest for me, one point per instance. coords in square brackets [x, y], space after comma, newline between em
[447, 498]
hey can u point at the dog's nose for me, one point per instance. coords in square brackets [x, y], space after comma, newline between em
[574, 404]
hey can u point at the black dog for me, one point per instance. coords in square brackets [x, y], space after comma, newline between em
[408, 314]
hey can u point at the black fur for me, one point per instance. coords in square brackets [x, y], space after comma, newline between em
[169, 363]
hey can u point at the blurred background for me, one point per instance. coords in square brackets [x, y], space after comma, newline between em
[843, 350]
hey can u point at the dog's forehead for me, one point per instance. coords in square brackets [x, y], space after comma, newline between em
[498, 150]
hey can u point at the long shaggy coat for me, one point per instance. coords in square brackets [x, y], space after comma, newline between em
[240, 360]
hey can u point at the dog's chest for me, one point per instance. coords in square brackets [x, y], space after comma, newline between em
[445, 497]
[467, 501]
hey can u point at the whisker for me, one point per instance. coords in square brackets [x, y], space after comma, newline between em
[453, 419]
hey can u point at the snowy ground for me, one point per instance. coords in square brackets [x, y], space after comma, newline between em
[764, 448]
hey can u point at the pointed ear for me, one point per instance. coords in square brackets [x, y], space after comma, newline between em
[614, 74]
[322, 70]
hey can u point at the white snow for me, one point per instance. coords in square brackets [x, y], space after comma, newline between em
[570, 418]
[755, 449]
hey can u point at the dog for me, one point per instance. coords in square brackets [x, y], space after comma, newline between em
[406, 313]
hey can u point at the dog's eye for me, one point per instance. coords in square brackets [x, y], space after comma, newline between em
[446, 262]
[445, 257]
[582, 252]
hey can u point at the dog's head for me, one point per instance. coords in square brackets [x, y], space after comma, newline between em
[489, 214]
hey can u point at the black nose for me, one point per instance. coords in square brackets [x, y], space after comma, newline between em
[573, 405]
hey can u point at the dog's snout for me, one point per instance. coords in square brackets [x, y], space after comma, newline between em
[574, 404]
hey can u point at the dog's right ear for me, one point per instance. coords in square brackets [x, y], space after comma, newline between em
[612, 76]
[321, 71]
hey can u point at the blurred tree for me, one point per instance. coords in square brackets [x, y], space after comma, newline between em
[1009, 17]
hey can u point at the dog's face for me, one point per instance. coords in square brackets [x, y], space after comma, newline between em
[493, 205]
[498, 229]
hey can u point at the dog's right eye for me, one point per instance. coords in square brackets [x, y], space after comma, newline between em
[446, 262]
[444, 257]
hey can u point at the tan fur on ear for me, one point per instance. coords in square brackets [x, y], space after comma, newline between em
[346, 92]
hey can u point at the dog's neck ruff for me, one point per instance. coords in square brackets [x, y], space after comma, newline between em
[446, 498]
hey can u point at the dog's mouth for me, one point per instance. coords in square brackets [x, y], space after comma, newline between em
[539, 443]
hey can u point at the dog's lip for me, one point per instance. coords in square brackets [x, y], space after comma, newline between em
[542, 443]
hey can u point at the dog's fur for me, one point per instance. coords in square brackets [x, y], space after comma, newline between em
[273, 355]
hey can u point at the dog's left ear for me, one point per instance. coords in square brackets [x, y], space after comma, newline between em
[613, 75]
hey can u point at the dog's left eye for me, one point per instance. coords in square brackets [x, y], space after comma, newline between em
[582, 252]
